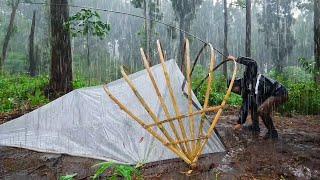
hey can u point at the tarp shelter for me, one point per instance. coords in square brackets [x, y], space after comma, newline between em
[87, 123]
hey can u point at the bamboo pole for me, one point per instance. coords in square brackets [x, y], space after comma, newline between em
[138, 120]
[173, 98]
[206, 100]
[188, 74]
[217, 116]
[161, 100]
[183, 141]
[145, 105]
[209, 109]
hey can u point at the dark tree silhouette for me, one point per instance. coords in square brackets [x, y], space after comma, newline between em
[14, 6]
[225, 43]
[32, 58]
[317, 40]
[185, 12]
[61, 60]
[248, 28]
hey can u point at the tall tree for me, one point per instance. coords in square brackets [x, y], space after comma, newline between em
[225, 42]
[276, 21]
[317, 40]
[248, 28]
[61, 60]
[32, 58]
[14, 6]
[151, 11]
[185, 11]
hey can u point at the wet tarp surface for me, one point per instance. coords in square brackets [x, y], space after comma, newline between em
[87, 123]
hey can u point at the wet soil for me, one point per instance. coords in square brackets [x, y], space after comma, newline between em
[295, 155]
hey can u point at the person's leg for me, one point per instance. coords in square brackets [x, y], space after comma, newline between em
[267, 120]
[255, 119]
[265, 110]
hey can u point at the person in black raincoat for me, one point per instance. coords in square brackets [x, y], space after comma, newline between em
[260, 94]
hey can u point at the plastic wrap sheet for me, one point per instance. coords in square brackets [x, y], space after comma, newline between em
[87, 123]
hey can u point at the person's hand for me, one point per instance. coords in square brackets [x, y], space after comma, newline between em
[237, 127]
[232, 58]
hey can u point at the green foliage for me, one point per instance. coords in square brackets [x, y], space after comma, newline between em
[293, 73]
[16, 63]
[304, 98]
[240, 3]
[219, 88]
[87, 22]
[24, 92]
[19, 92]
[118, 171]
[68, 177]
[304, 93]
[79, 83]
[308, 66]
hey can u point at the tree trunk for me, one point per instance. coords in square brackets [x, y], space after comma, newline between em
[61, 60]
[32, 59]
[181, 43]
[146, 30]
[248, 28]
[150, 28]
[225, 43]
[278, 60]
[317, 40]
[88, 51]
[14, 7]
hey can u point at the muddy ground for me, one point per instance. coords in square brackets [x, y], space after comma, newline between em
[295, 155]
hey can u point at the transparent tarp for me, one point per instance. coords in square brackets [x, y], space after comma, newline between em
[87, 123]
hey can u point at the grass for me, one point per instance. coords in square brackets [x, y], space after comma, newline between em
[112, 171]
[21, 92]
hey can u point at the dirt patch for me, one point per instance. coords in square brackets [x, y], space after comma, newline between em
[295, 155]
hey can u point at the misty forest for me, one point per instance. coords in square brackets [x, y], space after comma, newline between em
[49, 48]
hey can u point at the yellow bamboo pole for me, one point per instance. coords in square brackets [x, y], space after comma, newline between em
[173, 98]
[183, 141]
[161, 100]
[206, 100]
[145, 105]
[217, 116]
[138, 120]
[209, 109]
[188, 74]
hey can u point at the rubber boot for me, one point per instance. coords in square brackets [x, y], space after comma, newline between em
[272, 132]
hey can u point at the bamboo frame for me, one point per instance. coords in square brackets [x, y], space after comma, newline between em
[188, 148]
[188, 74]
[160, 98]
[140, 121]
[172, 96]
[206, 100]
[217, 116]
[210, 109]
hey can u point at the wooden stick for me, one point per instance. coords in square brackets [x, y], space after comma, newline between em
[173, 98]
[161, 100]
[206, 100]
[188, 74]
[145, 105]
[183, 141]
[210, 109]
[217, 116]
[138, 120]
